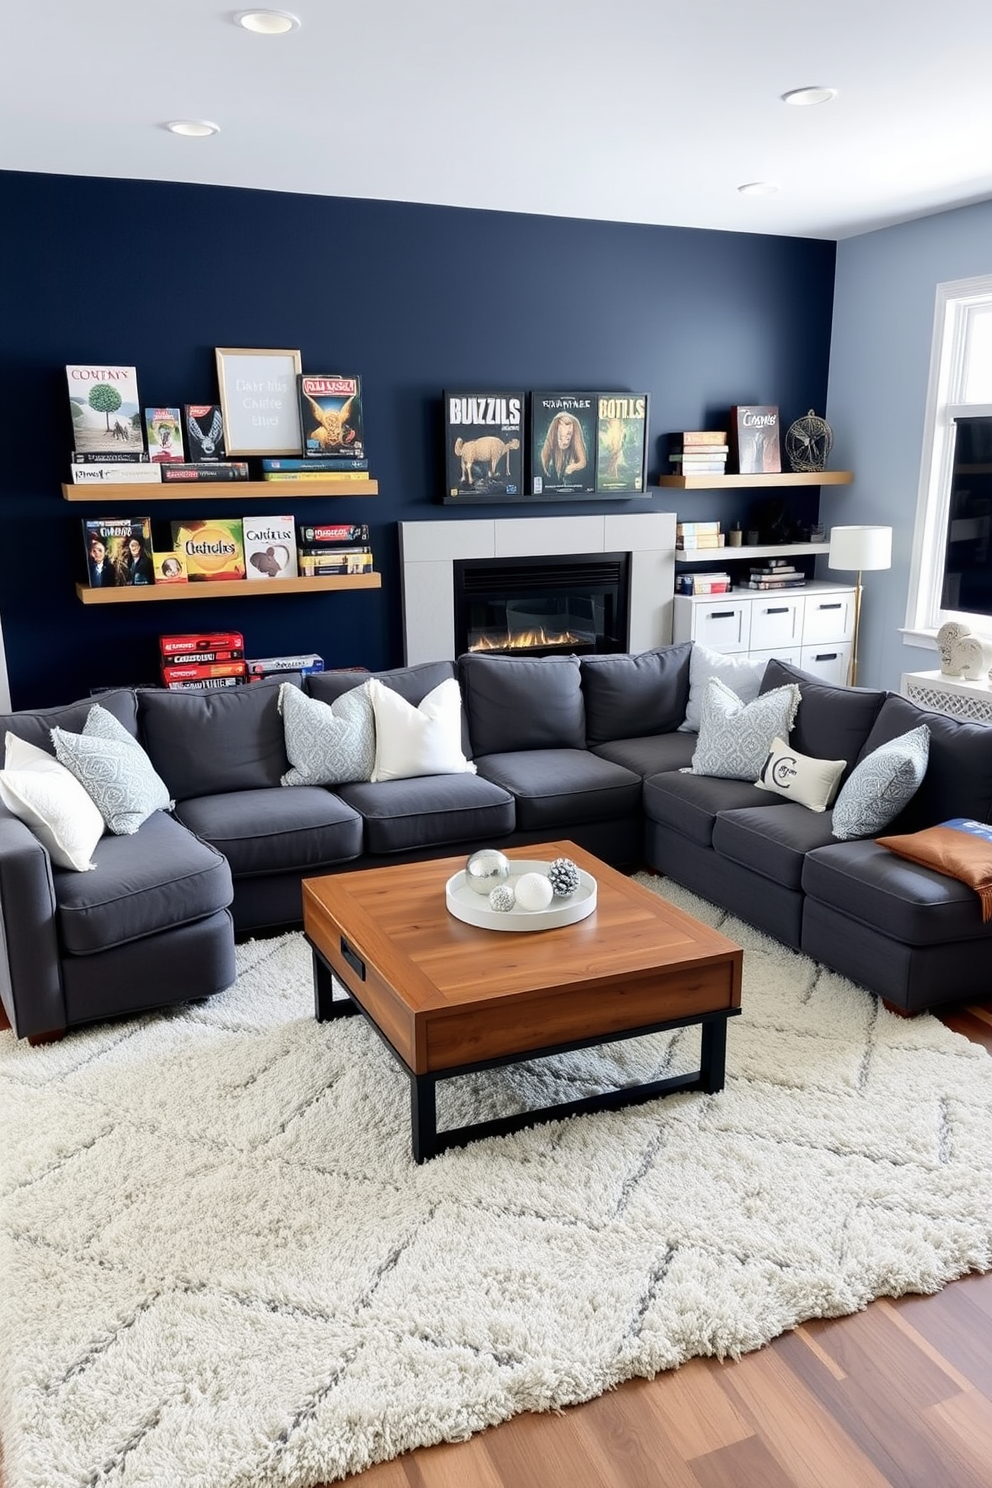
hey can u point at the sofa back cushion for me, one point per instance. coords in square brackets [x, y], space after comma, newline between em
[958, 780]
[522, 702]
[833, 722]
[632, 696]
[35, 727]
[204, 743]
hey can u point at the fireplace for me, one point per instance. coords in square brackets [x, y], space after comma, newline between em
[542, 606]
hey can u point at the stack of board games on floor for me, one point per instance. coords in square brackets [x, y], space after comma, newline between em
[698, 452]
[776, 573]
[200, 662]
[333, 548]
[271, 666]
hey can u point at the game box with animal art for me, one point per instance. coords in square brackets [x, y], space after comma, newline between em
[621, 443]
[563, 444]
[484, 447]
[331, 415]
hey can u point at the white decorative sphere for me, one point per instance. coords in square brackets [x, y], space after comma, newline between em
[502, 898]
[485, 869]
[533, 891]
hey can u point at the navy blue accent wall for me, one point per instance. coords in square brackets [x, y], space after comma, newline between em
[415, 298]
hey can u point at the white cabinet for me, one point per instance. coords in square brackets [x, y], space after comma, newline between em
[811, 627]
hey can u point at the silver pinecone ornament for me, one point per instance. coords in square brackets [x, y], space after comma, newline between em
[564, 877]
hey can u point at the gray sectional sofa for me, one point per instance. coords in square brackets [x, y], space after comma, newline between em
[589, 749]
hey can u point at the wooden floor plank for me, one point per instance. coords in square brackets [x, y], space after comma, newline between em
[743, 1464]
[689, 1407]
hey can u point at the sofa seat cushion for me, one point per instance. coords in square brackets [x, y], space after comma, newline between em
[430, 811]
[276, 830]
[689, 803]
[898, 899]
[558, 788]
[772, 842]
[151, 880]
[650, 755]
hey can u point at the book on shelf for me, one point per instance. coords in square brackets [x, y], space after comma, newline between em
[695, 529]
[204, 431]
[204, 470]
[110, 457]
[213, 548]
[314, 565]
[103, 404]
[206, 684]
[781, 571]
[563, 444]
[306, 662]
[697, 467]
[708, 583]
[129, 472]
[483, 444]
[713, 456]
[315, 475]
[331, 414]
[118, 552]
[693, 439]
[323, 534]
[270, 547]
[283, 465]
[164, 435]
[177, 644]
[704, 540]
[795, 582]
[621, 441]
[201, 671]
[754, 438]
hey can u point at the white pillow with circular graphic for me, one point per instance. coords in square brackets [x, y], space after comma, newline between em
[800, 777]
[48, 799]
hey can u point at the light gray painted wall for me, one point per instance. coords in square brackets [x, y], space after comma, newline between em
[879, 366]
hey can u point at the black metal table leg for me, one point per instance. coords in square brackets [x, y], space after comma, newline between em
[423, 1114]
[713, 1055]
[325, 1004]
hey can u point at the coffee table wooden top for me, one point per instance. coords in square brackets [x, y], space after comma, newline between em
[445, 993]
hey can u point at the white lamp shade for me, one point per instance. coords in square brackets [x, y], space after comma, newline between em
[860, 547]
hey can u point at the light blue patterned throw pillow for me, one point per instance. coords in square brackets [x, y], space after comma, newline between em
[327, 743]
[114, 770]
[885, 781]
[735, 737]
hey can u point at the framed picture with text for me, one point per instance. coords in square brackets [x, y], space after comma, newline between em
[258, 400]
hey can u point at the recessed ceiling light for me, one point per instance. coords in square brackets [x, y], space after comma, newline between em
[806, 97]
[758, 188]
[194, 128]
[267, 22]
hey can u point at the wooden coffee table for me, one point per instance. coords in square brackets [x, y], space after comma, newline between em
[449, 998]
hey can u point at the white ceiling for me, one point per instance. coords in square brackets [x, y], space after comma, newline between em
[650, 111]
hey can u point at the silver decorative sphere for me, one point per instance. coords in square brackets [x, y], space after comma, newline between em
[485, 869]
[502, 898]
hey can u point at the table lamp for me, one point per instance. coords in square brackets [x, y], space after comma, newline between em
[859, 548]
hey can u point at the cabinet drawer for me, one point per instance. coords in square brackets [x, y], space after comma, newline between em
[829, 660]
[791, 654]
[828, 617]
[776, 620]
[722, 623]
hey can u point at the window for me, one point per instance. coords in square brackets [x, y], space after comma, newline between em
[951, 576]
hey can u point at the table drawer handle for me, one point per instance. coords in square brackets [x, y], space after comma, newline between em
[353, 959]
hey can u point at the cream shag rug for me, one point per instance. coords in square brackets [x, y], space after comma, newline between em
[221, 1268]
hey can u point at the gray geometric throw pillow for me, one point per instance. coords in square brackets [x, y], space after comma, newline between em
[328, 743]
[885, 781]
[114, 770]
[734, 737]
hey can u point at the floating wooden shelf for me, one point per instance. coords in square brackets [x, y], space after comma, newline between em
[723, 482]
[243, 490]
[226, 589]
[727, 554]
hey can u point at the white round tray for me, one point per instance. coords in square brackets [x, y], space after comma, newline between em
[465, 904]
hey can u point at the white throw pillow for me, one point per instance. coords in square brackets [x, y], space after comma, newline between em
[800, 777]
[327, 743]
[47, 797]
[115, 771]
[735, 737]
[413, 741]
[740, 673]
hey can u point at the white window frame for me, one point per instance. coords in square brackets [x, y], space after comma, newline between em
[956, 302]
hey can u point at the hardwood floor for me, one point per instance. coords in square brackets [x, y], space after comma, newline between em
[897, 1396]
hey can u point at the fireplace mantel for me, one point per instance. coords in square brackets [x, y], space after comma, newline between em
[428, 549]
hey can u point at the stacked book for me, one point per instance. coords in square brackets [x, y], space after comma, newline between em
[693, 536]
[698, 452]
[199, 663]
[272, 666]
[703, 583]
[776, 573]
[333, 548]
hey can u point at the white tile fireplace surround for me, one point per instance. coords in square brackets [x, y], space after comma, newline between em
[428, 550]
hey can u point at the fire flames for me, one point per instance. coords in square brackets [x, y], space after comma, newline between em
[526, 640]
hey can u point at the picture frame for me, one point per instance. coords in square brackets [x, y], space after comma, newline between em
[258, 400]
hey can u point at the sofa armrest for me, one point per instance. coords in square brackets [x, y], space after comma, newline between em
[30, 966]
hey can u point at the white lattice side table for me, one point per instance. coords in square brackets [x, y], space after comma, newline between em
[953, 695]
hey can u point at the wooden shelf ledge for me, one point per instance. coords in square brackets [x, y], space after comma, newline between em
[226, 589]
